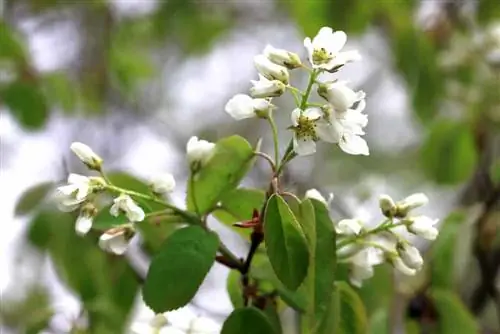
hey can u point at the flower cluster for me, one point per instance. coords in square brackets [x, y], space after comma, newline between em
[340, 120]
[365, 248]
[81, 193]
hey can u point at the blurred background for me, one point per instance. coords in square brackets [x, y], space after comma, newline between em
[134, 79]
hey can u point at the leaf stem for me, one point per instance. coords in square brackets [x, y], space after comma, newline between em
[274, 129]
[381, 228]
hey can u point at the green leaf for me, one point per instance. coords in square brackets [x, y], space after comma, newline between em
[285, 242]
[61, 90]
[11, 46]
[234, 288]
[443, 260]
[248, 320]
[315, 221]
[453, 315]
[264, 273]
[232, 159]
[448, 153]
[271, 311]
[26, 102]
[379, 322]
[179, 268]
[238, 205]
[353, 318]
[32, 197]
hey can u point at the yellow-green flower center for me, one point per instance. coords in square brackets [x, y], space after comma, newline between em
[306, 128]
[321, 56]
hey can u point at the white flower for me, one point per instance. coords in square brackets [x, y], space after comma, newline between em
[271, 70]
[162, 183]
[70, 196]
[398, 263]
[345, 129]
[339, 95]
[362, 264]
[266, 88]
[349, 227]
[422, 226]
[115, 240]
[411, 202]
[83, 224]
[242, 106]
[387, 205]
[304, 125]
[157, 325]
[86, 155]
[324, 49]
[203, 325]
[199, 150]
[282, 57]
[124, 203]
[315, 194]
[410, 255]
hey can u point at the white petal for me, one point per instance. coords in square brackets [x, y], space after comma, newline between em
[353, 144]
[345, 57]
[77, 179]
[163, 183]
[337, 40]
[295, 116]
[240, 107]
[115, 243]
[329, 132]
[203, 325]
[304, 146]
[349, 227]
[402, 267]
[315, 194]
[313, 113]
[67, 190]
[83, 225]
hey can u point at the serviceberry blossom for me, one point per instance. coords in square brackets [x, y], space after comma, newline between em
[116, 240]
[85, 219]
[199, 151]
[315, 194]
[402, 267]
[242, 106]
[125, 204]
[282, 57]
[411, 202]
[362, 264]
[87, 155]
[162, 183]
[304, 126]
[422, 226]
[266, 88]
[344, 128]
[339, 95]
[69, 197]
[324, 50]
[349, 227]
[271, 70]
[410, 255]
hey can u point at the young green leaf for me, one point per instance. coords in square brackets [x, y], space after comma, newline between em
[232, 158]
[179, 268]
[238, 205]
[248, 320]
[32, 197]
[453, 315]
[285, 243]
[234, 288]
[352, 316]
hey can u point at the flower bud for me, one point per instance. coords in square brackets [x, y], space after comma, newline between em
[116, 240]
[266, 88]
[422, 226]
[409, 203]
[349, 227]
[398, 263]
[339, 95]
[282, 57]
[315, 194]
[125, 204]
[199, 151]
[84, 221]
[387, 206]
[270, 70]
[87, 156]
[410, 255]
[163, 183]
[242, 106]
